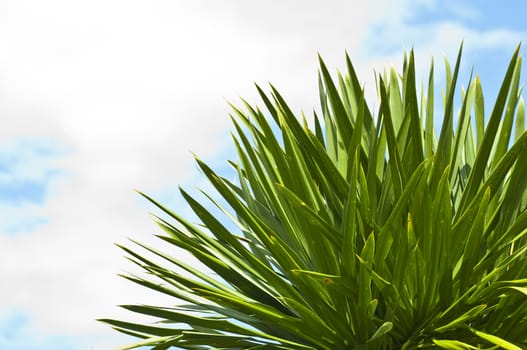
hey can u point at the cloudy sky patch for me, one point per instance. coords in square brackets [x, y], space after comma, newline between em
[29, 169]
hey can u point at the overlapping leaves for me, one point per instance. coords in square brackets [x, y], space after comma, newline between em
[366, 231]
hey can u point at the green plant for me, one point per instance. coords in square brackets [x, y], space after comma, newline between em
[362, 232]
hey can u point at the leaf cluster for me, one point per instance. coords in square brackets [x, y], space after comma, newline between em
[366, 230]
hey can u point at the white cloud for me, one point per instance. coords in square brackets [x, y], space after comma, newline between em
[129, 87]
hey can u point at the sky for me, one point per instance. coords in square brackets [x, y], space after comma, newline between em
[101, 97]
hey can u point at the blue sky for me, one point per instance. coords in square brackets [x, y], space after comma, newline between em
[99, 98]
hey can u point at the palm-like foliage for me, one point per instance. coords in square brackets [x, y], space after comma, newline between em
[362, 232]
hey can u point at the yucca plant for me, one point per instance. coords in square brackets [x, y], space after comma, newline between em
[362, 231]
